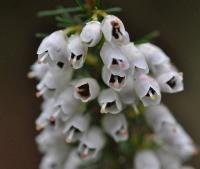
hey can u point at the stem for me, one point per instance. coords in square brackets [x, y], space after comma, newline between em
[72, 29]
[91, 4]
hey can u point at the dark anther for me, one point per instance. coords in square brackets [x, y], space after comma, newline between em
[72, 56]
[84, 90]
[60, 64]
[172, 82]
[79, 57]
[152, 91]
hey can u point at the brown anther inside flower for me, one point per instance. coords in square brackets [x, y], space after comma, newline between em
[83, 90]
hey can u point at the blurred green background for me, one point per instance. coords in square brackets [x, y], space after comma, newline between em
[177, 20]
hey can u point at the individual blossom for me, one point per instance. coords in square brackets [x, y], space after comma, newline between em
[147, 89]
[53, 83]
[91, 144]
[75, 127]
[52, 48]
[86, 89]
[114, 30]
[157, 115]
[115, 81]
[38, 71]
[109, 102]
[113, 58]
[77, 51]
[66, 105]
[176, 140]
[91, 33]
[169, 79]
[116, 126]
[146, 159]
[153, 54]
[136, 59]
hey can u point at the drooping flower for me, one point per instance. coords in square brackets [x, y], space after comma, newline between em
[77, 51]
[91, 33]
[114, 30]
[116, 126]
[52, 48]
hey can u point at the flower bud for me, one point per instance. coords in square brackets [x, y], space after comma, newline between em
[157, 115]
[91, 33]
[38, 71]
[146, 159]
[153, 54]
[86, 89]
[116, 127]
[113, 58]
[109, 102]
[75, 128]
[114, 30]
[147, 89]
[136, 59]
[52, 48]
[115, 81]
[91, 144]
[76, 51]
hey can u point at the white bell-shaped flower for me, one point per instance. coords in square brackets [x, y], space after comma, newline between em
[91, 144]
[157, 115]
[75, 127]
[136, 59]
[109, 102]
[168, 160]
[147, 89]
[127, 93]
[115, 81]
[73, 161]
[113, 58]
[38, 71]
[176, 140]
[169, 79]
[53, 82]
[66, 105]
[86, 89]
[146, 159]
[77, 51]
[116, 126]
[43, 120]
[153, 54]
[91, 33]
[114, 30]
[52, 48]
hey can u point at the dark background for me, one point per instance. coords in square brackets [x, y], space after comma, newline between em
[177, 20]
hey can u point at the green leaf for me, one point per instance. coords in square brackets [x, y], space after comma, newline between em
[59, 11]
[64, 20]
[80, 4]
[148, 38]
[113, 10]
[98, 3]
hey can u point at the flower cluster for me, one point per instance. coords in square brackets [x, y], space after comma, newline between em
[132, 74]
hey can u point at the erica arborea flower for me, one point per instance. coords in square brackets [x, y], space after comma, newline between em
[75, 127]
[153, 54]
[157, 115]
[114, 80]
[147, 89]
[169, 79]
[114, 30]
[86, 89]
[146, 159]
[109, 102]
[116, 126]
[136, 59]
[52, 48]
[113, 58]
[91, 144]
[53, 83]
[38, 71]
[91, 33]
[77, 51]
